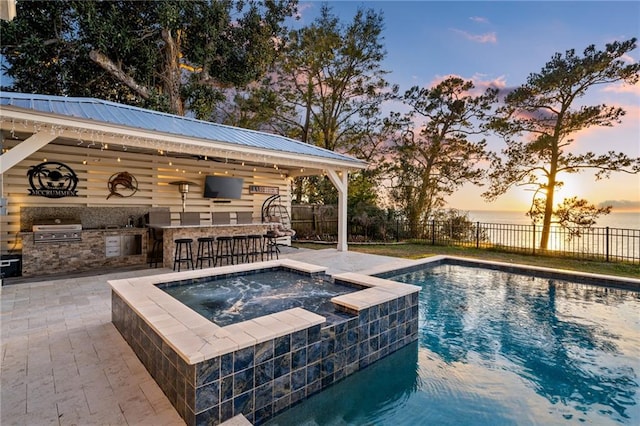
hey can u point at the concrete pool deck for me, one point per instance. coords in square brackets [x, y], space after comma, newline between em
[63, 362]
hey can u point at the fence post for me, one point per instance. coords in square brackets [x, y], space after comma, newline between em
[433, 232]
[533, 241]
[478, 234]
[607, 243]
[397, 230]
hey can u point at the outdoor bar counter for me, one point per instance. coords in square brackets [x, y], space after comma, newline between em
[172, 232]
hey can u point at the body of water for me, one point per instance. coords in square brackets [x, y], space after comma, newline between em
[625, 220]
[513, 229]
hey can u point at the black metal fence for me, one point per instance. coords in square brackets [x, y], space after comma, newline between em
[595, 243]
[607, 244]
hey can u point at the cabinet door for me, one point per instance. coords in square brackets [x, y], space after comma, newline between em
[131, 245]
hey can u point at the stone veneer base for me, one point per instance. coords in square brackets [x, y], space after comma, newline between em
[259, 367]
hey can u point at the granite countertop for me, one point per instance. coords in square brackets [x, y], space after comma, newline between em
[206, 226]
[103, 229]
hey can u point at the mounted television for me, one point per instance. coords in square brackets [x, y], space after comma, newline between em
[222, 187]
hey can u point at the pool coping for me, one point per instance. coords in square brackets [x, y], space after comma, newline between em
[588, 278]
[196, 339]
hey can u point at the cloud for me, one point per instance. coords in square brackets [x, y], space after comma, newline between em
[480, 82]
[629, 124]
[479, 19]
[621, 204]
[478, 38]
[621, 87]
[499, 82]
[628, 58]
[303, 7]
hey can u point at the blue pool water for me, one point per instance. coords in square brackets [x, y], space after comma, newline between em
[232, 299]
[501, 349]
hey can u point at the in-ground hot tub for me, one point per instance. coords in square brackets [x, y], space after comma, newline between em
[260, 366]
[233, 298]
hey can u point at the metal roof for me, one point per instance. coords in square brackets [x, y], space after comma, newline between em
[125, 115]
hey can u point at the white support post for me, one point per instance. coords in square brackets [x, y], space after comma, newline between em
[24, 149]
[340, 181]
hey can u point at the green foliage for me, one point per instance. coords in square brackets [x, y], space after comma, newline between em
[457, 226]
[538, 119]
[432, 156]
[171, 55]
[326, 89]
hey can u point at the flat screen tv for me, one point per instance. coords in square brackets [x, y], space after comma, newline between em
[222, 187]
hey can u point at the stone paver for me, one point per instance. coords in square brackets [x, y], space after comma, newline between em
[63, 362]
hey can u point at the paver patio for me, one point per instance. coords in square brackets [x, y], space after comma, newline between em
[63, 362]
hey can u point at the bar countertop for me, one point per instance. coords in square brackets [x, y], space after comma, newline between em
[221, 226]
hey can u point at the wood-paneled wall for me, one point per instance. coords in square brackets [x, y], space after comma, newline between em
[153, 173]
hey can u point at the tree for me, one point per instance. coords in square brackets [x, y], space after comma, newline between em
[538, 118]
[325, 89]
[170, 55]
[434, 156]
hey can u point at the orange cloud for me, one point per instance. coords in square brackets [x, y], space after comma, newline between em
[633, 89]
[481, 84]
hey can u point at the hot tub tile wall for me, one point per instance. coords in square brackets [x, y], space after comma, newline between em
[266, 378]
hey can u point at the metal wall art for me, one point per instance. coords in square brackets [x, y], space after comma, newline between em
[122, 184]
[52, 180]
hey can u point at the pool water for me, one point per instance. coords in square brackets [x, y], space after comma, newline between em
[232, 299]
[498, 348]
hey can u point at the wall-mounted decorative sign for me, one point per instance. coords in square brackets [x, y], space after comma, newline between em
[122, 184]
[52, 180]
[257, 189]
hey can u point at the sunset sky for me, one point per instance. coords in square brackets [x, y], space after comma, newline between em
[502, 43]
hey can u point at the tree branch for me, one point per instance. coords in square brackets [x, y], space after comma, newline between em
[107, 64]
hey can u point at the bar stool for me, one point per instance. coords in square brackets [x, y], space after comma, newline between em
[241, 248]
[255, 247]
[183, 246]
[205, 252]
[156, 248]
[270, 245]
[224, 250]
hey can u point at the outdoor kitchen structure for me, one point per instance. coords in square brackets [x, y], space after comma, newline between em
[82, 180]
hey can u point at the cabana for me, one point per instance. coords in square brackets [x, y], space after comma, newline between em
[95, 141]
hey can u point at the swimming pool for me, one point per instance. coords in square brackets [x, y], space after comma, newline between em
[498, 348]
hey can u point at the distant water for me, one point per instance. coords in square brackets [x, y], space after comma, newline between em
[627, 220]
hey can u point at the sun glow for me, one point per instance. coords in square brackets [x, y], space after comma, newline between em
[573, 187]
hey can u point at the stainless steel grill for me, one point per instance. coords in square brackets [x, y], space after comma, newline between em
[53, 233]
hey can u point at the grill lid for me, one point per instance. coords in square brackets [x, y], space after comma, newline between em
[57, 227]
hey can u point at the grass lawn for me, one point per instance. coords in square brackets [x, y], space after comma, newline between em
[418, 251]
